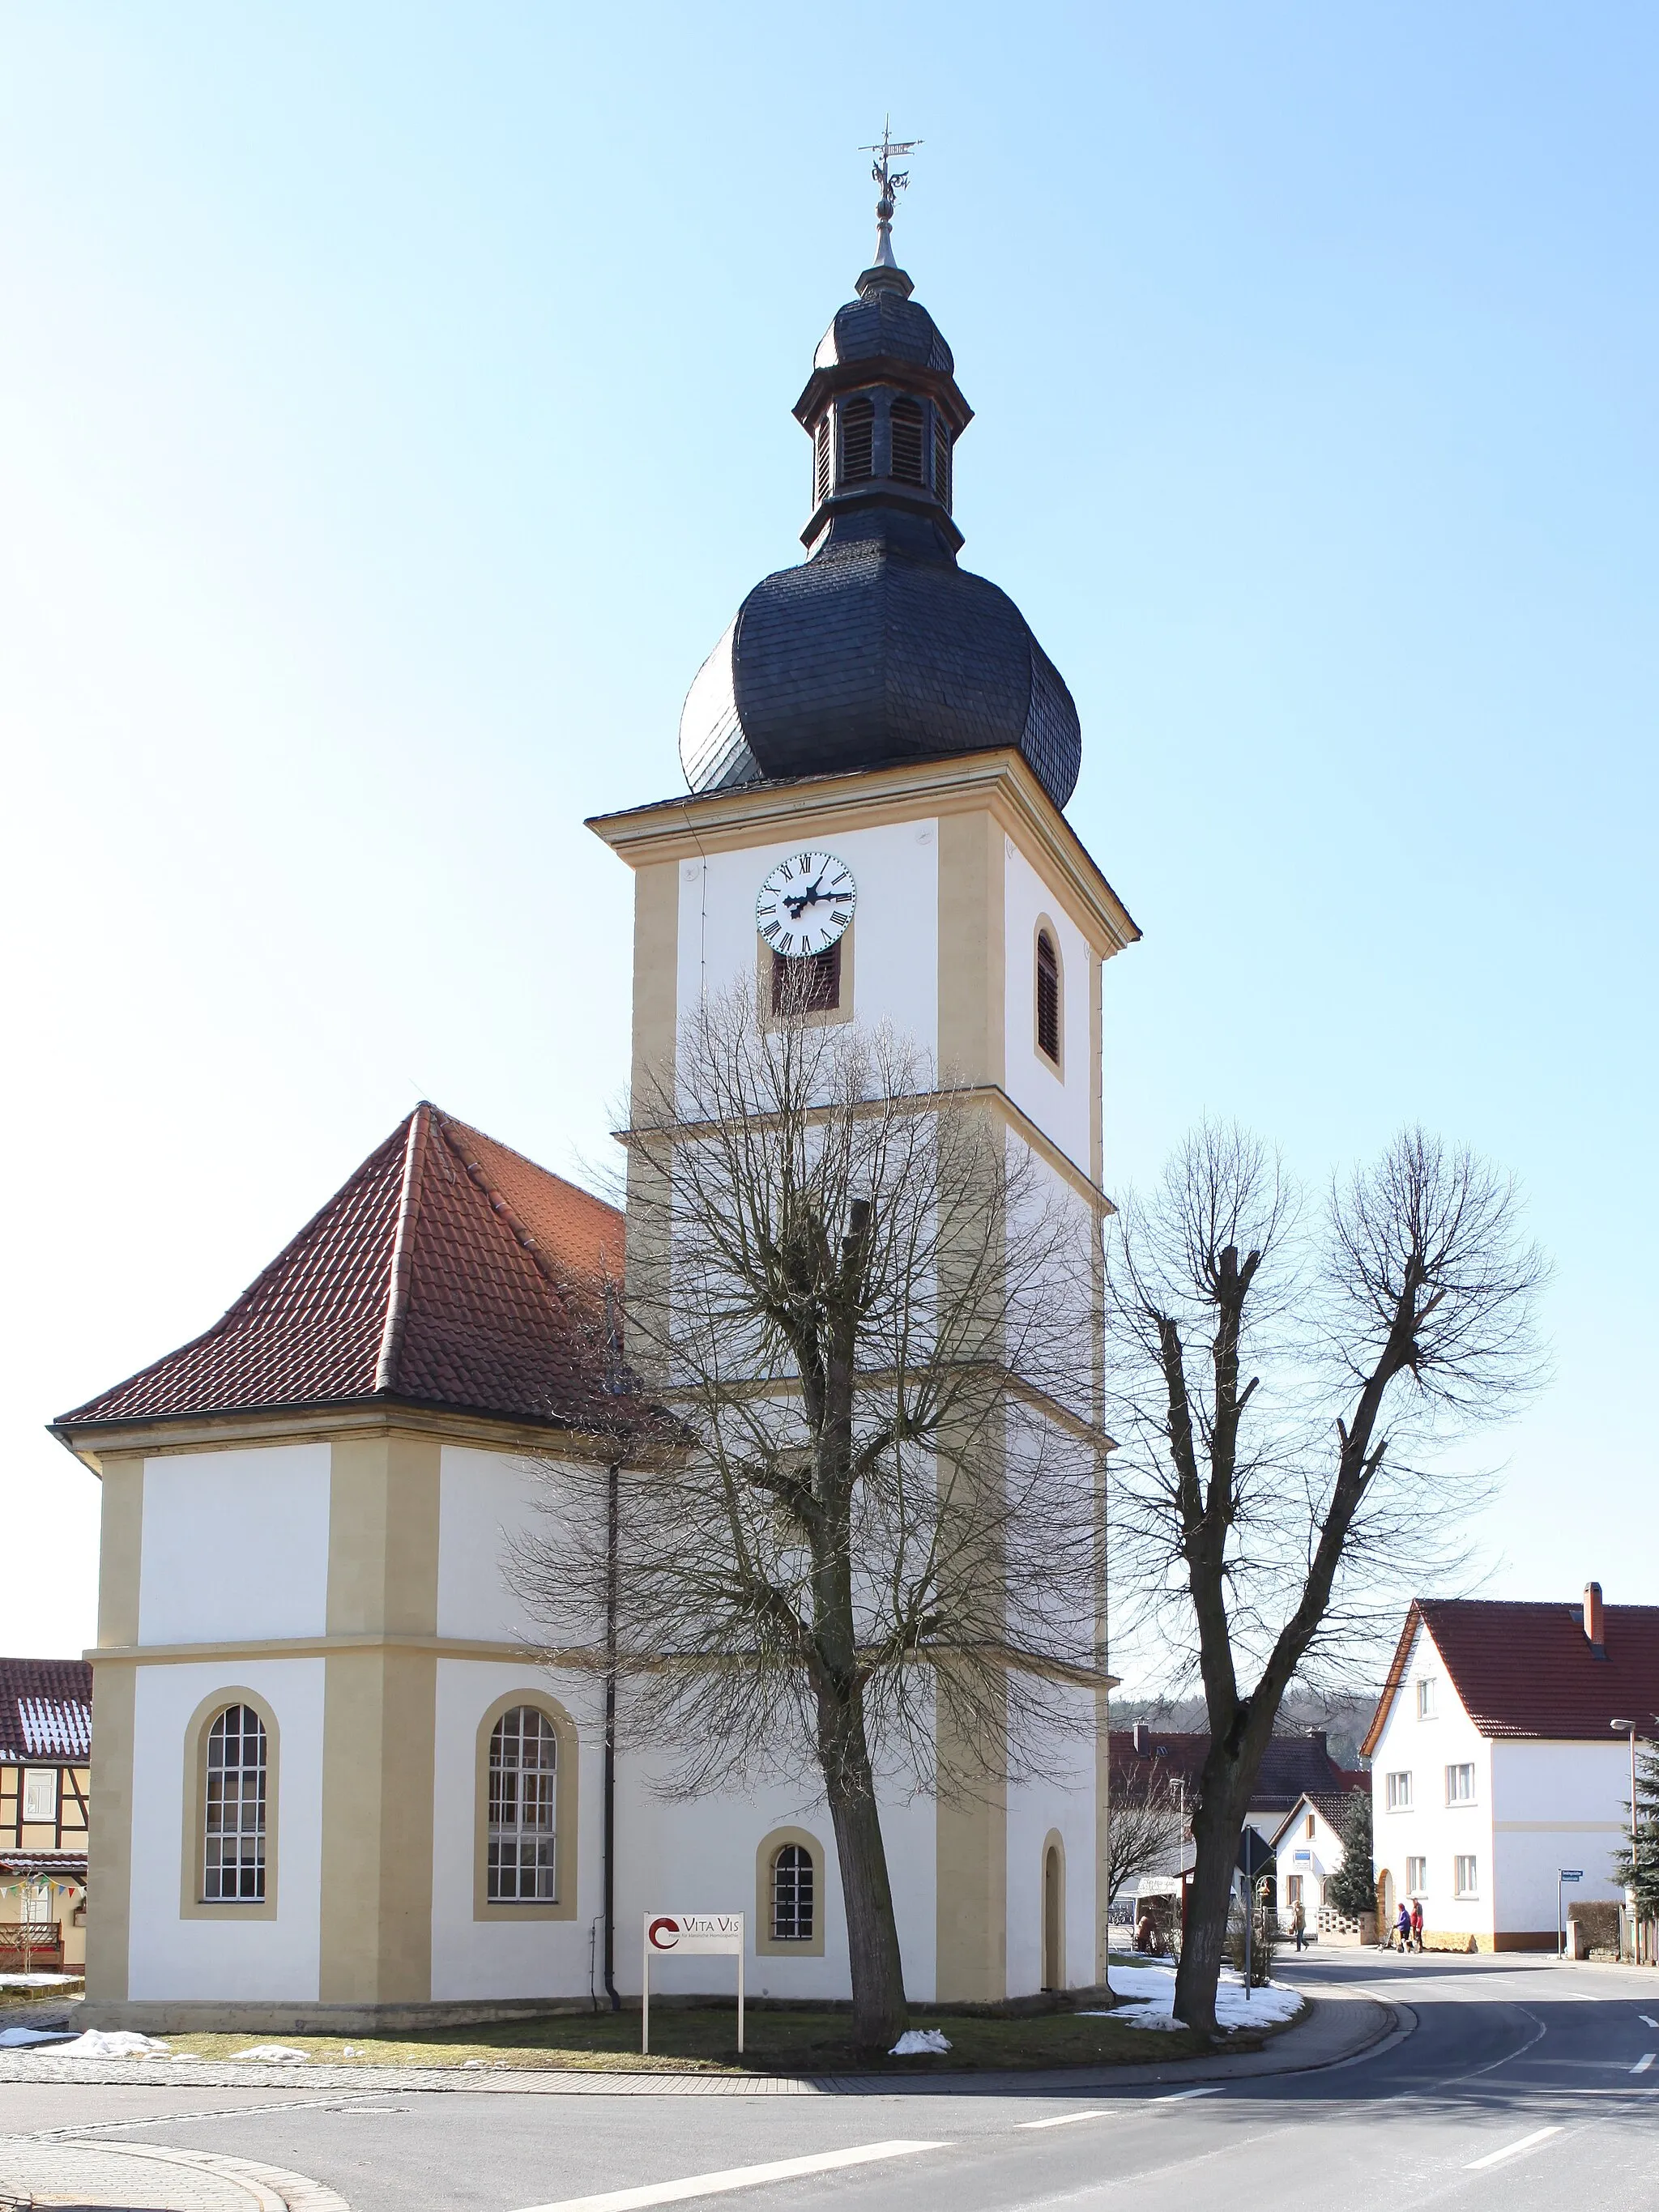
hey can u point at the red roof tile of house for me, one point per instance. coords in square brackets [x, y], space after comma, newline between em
[448, 1271]
[1291, 1766]
[45, 1710]
[1527, 1669]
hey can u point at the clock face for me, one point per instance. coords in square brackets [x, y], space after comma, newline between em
[805, 905]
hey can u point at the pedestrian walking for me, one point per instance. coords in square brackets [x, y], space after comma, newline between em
[1402, 1928]
[1299, 1924]
[1416, 1923]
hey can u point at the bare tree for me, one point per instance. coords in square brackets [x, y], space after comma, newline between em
[1147, 1827]
[866, 1545]
[1284, 1398]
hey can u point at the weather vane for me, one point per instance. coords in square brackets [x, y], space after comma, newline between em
[891, 180]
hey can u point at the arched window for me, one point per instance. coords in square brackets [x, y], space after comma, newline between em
[941, 458]
[908, 446]
[821, 452]
[1048, 997]
[523, 1758]
[233, 1826]
[858, 440]
[794, 1899]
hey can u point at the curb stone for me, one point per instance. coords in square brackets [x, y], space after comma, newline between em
[148, 2178]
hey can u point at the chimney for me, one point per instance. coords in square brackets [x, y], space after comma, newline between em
[1138, 1737]
[1593, 1630]
[1321, 1737]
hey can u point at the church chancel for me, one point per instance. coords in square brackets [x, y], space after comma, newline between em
[334, 1787]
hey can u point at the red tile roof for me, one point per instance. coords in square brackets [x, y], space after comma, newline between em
[1291, 1766]
[448, 1271]
[1529, 1670]
[45, 1710]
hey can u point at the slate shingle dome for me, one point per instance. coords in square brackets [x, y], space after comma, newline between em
[879, 648]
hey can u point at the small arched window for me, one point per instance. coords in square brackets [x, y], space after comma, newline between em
[908, 448]
[820, 453]
[941, 459]
[523, 1758]
[234, 1838]
[1048, 997]
[858, 440]
[794, 1902]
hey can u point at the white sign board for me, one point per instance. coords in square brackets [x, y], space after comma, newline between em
[689, 1935]
[695, 1935]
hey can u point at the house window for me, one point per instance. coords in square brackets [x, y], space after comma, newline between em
[1399, 1793]
[1293, 1890]
[811, 985]
[40, 1794]
[1465, 1875]
[794, 1894]
[1308, 1828]
[941, 460]
[234, 1842]
[1417, 1877]
[822, 450]
[906, 425]
[523, 1757]
[1425, 1698]
[1460, 1785]
[858, 440]
[1048, 996]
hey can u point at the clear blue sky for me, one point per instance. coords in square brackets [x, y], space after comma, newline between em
[394, 406]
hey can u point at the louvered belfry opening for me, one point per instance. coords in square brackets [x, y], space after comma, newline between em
[858, 440]
[809, 985]
[907, 424]
[941, 460]
[1048, 997]
[822, 455]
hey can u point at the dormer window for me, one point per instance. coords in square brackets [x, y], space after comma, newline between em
[908, 448]
[941, 459]
[823, 451]
[858, 440]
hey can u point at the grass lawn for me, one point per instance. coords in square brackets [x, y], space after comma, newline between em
[703, 2039]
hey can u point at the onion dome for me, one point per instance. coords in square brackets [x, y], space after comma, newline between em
[879, 648]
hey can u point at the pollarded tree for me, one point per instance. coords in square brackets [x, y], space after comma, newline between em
[1282, 1397]
[866, 1542]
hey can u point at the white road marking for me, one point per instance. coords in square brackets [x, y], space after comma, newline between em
[1644, 2061]
[1064, 2120]
[735, 2177]
[1645, 2021]
[1180, 2096]
[1510, 2151]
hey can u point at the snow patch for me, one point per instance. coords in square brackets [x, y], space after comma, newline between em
[918, 2042]
[113, 2043]
[272, 2054]
[1151, 1994]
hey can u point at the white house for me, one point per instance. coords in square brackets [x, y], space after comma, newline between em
[1307, 1852]
[1495, 1763]
[332, 1784]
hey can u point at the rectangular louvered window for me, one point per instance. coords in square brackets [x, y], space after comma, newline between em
[1048, 997]
[858, 440]
[941, 460]
[821, 461]
[907, 449]
[807, 986]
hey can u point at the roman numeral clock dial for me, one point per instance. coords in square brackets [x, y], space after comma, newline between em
[805, 905]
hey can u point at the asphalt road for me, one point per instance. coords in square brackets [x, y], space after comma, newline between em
[1521, 2087]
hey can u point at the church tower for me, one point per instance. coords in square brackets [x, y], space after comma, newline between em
[878, 754]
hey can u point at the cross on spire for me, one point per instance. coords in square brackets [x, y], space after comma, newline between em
[892, 181]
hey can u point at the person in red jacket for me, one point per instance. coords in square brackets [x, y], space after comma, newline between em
[1416, 1923]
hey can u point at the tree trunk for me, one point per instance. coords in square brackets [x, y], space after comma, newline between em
[1216, 1825]
[880, 2016]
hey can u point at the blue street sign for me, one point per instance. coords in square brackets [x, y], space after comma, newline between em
[1572, 1874]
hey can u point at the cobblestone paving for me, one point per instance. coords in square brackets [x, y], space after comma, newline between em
[147, 2177]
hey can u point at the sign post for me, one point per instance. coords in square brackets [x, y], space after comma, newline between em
[1254, 1857]
[689, 1935]
[1563, 1873]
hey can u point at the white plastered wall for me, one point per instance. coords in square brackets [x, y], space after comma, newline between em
[1060, 1101]
[1431, 1829]
[1555, 1805]
[1064, 1801]
[895, 930]
[235, 1545]
[274, 1960]
[485, 1499]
